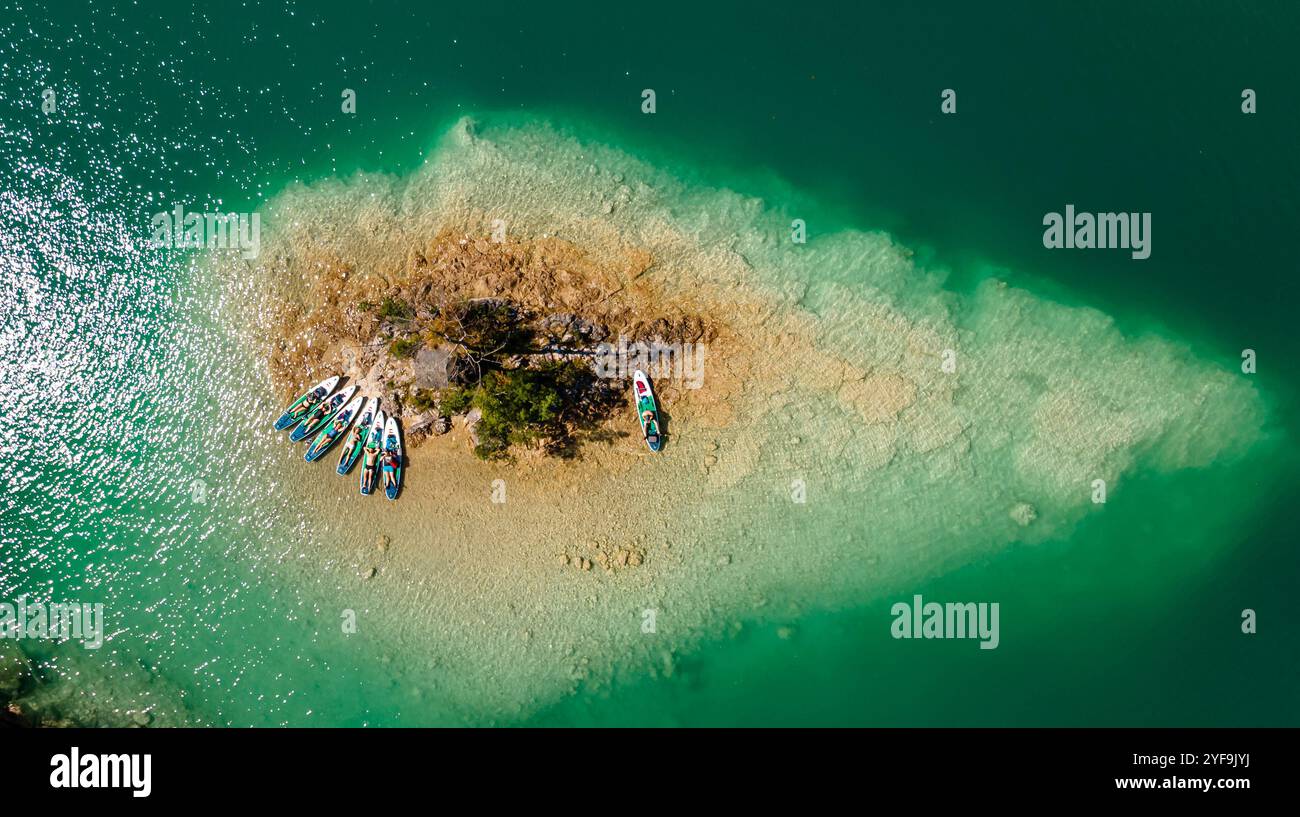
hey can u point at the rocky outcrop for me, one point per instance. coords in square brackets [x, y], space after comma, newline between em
[459, 306]
[430, 367]
[471, 422]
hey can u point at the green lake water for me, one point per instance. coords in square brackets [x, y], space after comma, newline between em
[829, 114]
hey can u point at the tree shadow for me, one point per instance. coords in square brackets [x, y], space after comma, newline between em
[589, 402]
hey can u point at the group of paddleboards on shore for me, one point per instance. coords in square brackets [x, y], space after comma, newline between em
[374, 439]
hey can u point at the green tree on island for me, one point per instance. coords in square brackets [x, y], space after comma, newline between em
[528, 405]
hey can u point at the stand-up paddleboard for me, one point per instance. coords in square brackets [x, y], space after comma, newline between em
[393, 443]
[357, 438]
[309, 400]
[646, 410]
[334, 429]
[370, 473]
[322, 414]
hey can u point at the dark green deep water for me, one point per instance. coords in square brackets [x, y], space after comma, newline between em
[1108, 107]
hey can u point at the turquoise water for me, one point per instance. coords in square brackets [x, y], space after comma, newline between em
[1133, 619]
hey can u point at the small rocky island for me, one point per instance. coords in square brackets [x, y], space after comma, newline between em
[499, 335]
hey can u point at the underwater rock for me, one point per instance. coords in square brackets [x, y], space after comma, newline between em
[14, 670]
[13, 716]
[1023, 513]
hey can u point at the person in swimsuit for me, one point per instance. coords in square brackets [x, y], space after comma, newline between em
[369, 457]
[320, 412]
[309, 402]
[340, 423]
[390, 469]
[353, 438]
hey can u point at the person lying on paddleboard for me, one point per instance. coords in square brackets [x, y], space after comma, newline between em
[369, 457]
[649, 427]
[308, 404]
[317, 414]
[340, 423]
[353, 439]
[390, 469]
